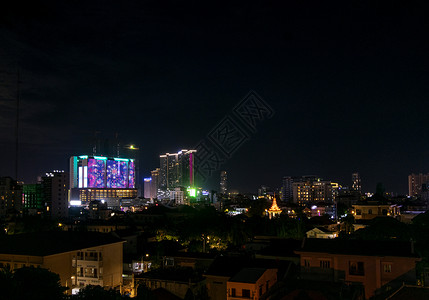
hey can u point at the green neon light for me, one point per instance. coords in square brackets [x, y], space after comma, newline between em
[100, 157]
[121, 159]
[83, 156]
[192, 192]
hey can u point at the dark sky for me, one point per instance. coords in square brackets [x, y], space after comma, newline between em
[348, 81]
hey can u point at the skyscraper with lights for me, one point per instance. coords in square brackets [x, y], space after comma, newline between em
[101, 178]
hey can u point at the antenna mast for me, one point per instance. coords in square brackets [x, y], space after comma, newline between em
[17, 126]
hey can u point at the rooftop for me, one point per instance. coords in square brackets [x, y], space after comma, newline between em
[359, 247]
[48, 243]
[248, 275]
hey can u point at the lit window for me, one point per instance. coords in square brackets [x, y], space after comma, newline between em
[387, 268]
[325, 264]
[356, 268]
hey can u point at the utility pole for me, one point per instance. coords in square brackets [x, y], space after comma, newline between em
[17, 127]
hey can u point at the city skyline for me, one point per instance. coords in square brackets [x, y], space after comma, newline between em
[347, 85]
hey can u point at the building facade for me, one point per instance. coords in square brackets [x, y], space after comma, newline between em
[356, 183]
[79, 258]
[311, 191]
[56, 194]
[375, 266]
[10, 196]
[251, 283]
[101, 178]
[223, 187]
[416, 182]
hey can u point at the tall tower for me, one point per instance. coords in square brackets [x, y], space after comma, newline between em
[223, 182]
[356, 183]
[176, 169]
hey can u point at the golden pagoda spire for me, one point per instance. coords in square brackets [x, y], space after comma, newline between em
[274, 209]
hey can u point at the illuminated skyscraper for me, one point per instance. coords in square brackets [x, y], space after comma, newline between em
[223, 182]
[154, 182]
[10, 195]
[287, 188]
[147, 185]
[176, 169]
[356, 183]
[310, 190]
[416, 182]
[101, 178]
[55, 187]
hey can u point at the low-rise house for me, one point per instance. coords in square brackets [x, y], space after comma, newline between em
[378, 266]
[174, 280]
[79, 258]
[251, 283]
[369, 210]
[321, 233]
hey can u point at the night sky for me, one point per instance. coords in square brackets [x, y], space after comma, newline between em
[347, 80]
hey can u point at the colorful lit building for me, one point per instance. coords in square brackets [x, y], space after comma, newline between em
[101, 178]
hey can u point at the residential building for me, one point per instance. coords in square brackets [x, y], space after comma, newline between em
[377, 266]
[251, 283]
[176, 170]
[223, 183]
[79, 258]
[310, 190]
[33, 199]
[321, 233]
[356, 183]
[147, 186]
[55, 186]
[176, 280]
[369, 210]
[415, 183]
[287, 188]
[154, 183]
[10, 196]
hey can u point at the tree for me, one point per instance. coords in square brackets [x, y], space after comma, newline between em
[31, 283]
[144, 293]
[96, 292]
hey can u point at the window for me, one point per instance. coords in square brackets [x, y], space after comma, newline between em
[307, 263]
[325, 264]
[260, 290]
[233, 292]
[370, 211]
[356, 268]
[387, 268]
[245, 293]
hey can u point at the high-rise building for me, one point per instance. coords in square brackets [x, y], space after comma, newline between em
[149, 189]
[10, 196]
[154, 182]
[176, 170]
[33, 198]
[287, 188]
[101, 178]
[55, 193]
[223, 182]
[356, 183]
[416, 182]
[309, 190]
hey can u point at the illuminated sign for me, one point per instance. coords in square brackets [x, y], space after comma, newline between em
[132, 175]
[117, 172]
[96, 173]
[192, 192]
